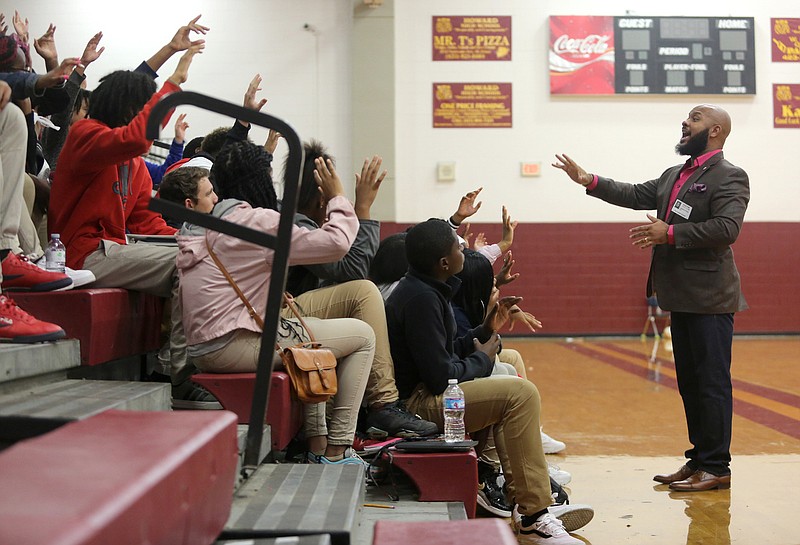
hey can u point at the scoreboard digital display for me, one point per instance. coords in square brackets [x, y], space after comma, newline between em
[652, 55]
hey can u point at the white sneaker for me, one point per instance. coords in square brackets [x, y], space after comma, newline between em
[80, 277]
[559, 475]
[550, 445]
[546, 530]
[573, 515]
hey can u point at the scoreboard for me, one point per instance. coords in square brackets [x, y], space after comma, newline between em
[653, 55]
[680, 55]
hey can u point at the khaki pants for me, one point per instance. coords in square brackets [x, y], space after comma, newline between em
[13, 143]
[510, 408]
[149, 268]
[28, 235]
[357, 299]
[353, 343]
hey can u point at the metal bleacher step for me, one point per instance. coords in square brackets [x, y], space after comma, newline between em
[323, 539]
[40, 409]
[19, 362]
[298, 500]
[241, 441]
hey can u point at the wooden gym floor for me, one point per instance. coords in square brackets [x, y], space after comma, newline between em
[622, 421]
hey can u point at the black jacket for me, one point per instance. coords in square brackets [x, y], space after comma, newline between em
[422, 335]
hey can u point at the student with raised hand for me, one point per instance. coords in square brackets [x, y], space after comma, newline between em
[427, 352]
[53, 140]
[101, 192]
[222, 335]
[340, 289]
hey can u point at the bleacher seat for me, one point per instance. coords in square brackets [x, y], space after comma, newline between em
[110, 323]
[442, 476]
[452, 532]
[161, 478]
[235, 392]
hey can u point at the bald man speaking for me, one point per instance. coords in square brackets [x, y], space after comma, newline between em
[700, 206]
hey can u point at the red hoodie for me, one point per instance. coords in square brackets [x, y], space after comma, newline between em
[102, 188]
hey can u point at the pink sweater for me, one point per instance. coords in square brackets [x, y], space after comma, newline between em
[211, 307]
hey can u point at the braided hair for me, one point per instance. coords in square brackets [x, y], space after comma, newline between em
[120, 96]
[241, 171]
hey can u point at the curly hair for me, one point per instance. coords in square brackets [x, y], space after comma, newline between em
[390, 263]
[212, 142]
[120, 96]
[241, 171]
[8, 53]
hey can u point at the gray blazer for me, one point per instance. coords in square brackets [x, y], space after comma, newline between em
[698, 273]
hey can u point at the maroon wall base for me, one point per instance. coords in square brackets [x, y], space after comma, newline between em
[587, 279]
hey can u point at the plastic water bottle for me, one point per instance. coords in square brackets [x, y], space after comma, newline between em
[56, 255]
[453, 412]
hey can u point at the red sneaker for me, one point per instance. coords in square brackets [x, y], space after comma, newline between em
[21, 274]
[17, 326]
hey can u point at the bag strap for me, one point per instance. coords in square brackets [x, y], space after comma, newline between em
[286, 297]
[250, 309]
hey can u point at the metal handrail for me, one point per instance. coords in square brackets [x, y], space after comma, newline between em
[280, 242]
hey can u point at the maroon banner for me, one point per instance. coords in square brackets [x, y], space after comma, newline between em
[786, 105]
[581, 55]
[785, 40]
[471, 105]
[472, 38]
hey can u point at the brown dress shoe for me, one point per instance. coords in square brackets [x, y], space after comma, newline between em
[683, 473]
[702, 480]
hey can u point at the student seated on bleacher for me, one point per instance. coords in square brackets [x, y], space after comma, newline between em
[101, 192]
[222, 335]
[427, 353]
[340, 289]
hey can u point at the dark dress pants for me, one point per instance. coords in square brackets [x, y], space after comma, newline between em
[702, 348]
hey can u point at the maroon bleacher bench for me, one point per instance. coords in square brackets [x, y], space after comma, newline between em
[442, 476]
[445, 532]
[110, 323]
[121, 477]
[235, 393]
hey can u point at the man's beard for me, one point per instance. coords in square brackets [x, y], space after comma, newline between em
[694, 146]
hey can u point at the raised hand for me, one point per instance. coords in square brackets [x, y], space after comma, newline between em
[90, 52]
[527, 319]
[367, 185]
[272, 141]
[59, 74]
[182, 41]
[20, 26]
[3, 26]
[508, 231]
[181, 73]
[573, 170]
[250, 102]
[180, 129]
[498, 314]
[480, 242]
[467, 206]
[327, 179]
[46, 46]
[504, 276]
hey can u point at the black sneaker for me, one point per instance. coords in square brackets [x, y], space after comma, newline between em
[490, 494]
[189, 395]
[395, 420]
[560, 497]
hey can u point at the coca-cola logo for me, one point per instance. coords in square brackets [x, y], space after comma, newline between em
[593, 44]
